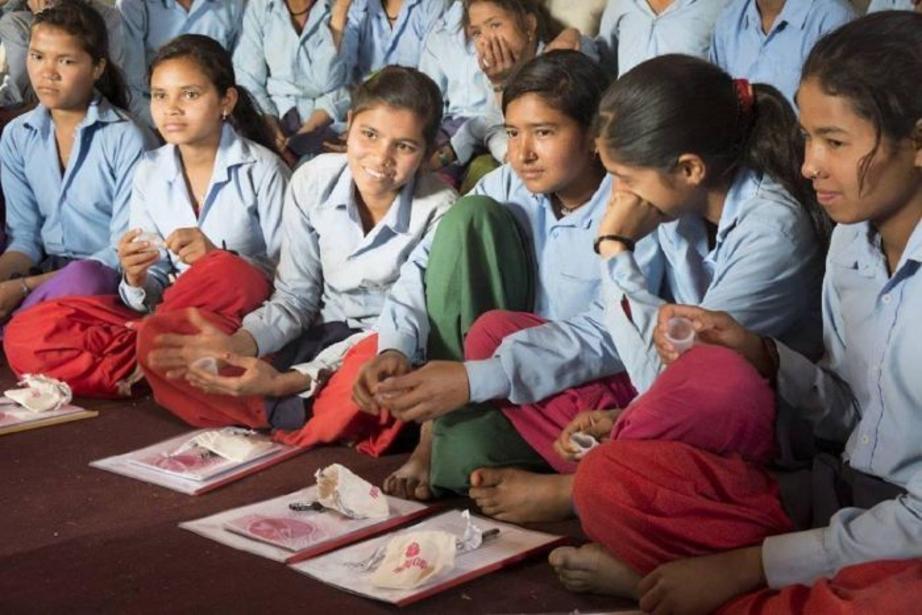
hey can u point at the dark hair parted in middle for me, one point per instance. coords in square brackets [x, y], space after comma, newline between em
[568, 81]
[676, 104]
[401, 87]
[215, 62]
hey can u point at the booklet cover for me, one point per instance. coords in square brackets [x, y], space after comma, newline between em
[14, 418]
[346, 567]
[183, 466]
[273, 530]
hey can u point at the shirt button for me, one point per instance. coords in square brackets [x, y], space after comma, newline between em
[886, 298]
[865, 439]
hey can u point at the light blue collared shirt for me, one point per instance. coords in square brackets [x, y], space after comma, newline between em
[631, 33]
[742, 48]
[242, 210]
[370, 42]
[285, 70]
[867, 389]
[890, 5]
[330, 269]
[81, 212]
[532, 364]
[765, 270]
[149, 24]
[15, 32]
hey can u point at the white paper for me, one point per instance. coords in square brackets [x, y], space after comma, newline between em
[353, 496]
[188, 471]
[340, 569]
[234, 443]
[40, 393]
[271, 529]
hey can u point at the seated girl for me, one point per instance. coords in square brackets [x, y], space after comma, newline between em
[471, 54]
[351, 220]
[632, 32]
[289, 57]
[66, 166]
[540, 209]
[769, 41]
[709, 176]
[150, 25]
[844, 536]
[215, 190]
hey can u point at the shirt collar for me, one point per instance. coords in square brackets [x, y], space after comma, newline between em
[172, 3]
[586, 214]
[99, 111]
[343, 196]
[232, 151]
[794, 12]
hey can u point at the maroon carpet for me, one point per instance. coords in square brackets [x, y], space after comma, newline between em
[77, 539]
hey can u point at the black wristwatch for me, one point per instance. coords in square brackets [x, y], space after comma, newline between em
[627, 242]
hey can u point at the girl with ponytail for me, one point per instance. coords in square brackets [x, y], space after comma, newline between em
[67, 165]
[205, 207]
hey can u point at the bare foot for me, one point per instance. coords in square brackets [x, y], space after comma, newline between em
[411, 480]
[510, 494]
[592, 569]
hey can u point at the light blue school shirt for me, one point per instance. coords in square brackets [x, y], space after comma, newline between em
[285, 70]
[741, 48]
[149, 24]
[371, 43]
[867, 388]
[242, 210]
[890, 5]
[765, 270]
[567, 293]
[631, 32]
[81, 212]
[330, 269]
[15, 32]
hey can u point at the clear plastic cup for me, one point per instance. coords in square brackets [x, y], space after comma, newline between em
[155, 240]
[680, 333]
[583, 443]
[206, 364]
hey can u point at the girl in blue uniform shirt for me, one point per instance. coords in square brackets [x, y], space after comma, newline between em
[767, 41]
[351, 220]
[859, 535]
[149, 24]
[734, 226]
[206, 207]
[289, 57]
[67, 165]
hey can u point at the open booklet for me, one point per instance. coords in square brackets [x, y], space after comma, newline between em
[351, 568]
[14, 418]
[183, 465]
[273, 530]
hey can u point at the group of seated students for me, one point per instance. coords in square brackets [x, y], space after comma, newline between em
[360, 296]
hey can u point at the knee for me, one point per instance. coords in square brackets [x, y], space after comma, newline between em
[90, 277]
[471, 212]
[486, 334]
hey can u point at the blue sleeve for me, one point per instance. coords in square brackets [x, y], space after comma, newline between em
[134, 34]
[250, 58]
[143, 299]
[329, 71]
[23, 217]
[607, 40]
[760, 280]
[295, 300]
[270, 203]
[132, 144]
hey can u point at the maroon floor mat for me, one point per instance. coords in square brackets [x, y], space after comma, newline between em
[77, 539]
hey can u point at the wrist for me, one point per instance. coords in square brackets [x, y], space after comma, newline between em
[611, 244]
[290, 383]
[243, 343]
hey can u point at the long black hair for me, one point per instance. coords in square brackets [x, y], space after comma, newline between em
[876, 63]
[676, 104]
[215, 62]
[84, 23]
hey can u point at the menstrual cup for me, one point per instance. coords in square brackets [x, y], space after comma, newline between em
[680, 333]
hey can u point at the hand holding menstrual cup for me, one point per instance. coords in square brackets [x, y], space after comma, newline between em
[680, 333]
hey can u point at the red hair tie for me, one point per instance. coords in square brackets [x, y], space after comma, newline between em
[745, 95]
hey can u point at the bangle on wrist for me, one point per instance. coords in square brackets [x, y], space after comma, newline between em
[627, 242]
